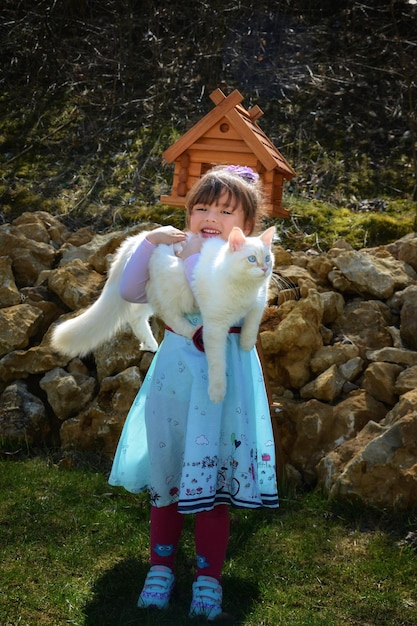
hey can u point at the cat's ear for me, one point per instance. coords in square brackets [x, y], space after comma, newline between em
[237, 239]
[267, 236]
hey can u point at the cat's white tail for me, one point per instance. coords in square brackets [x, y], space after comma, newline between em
[107, 316]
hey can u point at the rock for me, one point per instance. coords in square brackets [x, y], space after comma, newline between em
[23, 419]
[119, 391]
[294, 341]
[326, 335]
[396, 336]
[98, 247]
[293, 479]
[340, 282]
[33, 229]
[67, 393]
[50, 310]
[312, 429]
[408, 327]
[320, 267]
[308, 427]
[337, 354]
[404, 406]
[33, 361]
[97, 250]
[401, 356]
[371, 276]
[356, 411]
[327, 386]
[382, 468]
[406, 381]
[364, 323]
[282, 256]
[407, 250]
[17, 325]
[24, 363]
[42, 226]
[31, 260]
[333, 304]
[9, 293]
[76, 284]
[28, 257]
[332, 465]
[338, 247]
[379, 381]
[98, 427]
[117, 355]
[351, 369]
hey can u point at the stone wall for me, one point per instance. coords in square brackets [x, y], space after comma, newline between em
[339, 338]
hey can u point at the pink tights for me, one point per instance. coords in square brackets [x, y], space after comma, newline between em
[211, 535]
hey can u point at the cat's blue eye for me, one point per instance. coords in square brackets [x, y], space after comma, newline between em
[267, 258]
[252, 258]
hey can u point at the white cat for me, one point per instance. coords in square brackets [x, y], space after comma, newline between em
[229, 286]
[169, 292]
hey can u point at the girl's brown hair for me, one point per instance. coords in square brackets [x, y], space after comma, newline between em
[242, 188]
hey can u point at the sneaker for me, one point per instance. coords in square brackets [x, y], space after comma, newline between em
[207, 598]
[157, 588]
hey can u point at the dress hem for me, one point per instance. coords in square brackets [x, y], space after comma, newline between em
[200, 504]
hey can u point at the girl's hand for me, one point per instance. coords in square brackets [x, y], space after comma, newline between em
[166, 235]
[190, 247]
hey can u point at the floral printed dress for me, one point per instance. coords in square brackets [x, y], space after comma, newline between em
[181, 447]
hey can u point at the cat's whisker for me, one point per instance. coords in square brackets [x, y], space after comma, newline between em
[287, 289]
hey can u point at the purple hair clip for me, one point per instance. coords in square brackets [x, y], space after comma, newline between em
[244, 172]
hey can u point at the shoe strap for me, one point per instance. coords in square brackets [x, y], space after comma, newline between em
[208, 587]
[159, 576]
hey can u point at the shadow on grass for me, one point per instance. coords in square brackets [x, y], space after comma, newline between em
[115, 595]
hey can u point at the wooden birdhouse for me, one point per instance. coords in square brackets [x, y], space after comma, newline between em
[228, 135]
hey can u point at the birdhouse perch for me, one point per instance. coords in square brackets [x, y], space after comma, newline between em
[228, 135]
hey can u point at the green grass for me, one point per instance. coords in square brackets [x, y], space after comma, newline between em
[74, 551]
[318, 224]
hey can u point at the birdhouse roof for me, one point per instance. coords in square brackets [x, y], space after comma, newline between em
[244, 124]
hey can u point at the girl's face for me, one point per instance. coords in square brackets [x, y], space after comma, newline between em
[217, 219]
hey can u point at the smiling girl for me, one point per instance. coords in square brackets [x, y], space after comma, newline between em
[177, 444]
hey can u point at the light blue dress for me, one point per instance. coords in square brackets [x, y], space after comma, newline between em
[181, 447]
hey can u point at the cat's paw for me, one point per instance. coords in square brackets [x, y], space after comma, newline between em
[216, 391]
[247, 343]
[149, 345]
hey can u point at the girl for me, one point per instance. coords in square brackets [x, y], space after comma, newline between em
[193, 455]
